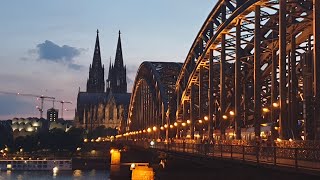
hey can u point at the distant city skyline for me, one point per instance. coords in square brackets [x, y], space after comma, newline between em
[46, 47]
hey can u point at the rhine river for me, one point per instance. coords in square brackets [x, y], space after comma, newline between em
[61, 175]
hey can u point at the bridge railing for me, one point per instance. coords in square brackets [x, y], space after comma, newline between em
[299, 158]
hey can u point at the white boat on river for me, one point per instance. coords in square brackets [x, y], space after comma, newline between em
[35, 165]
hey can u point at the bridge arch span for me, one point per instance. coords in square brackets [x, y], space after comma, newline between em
[245, 69]
[152, 91]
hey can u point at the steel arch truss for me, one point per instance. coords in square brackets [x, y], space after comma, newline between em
[254, 63]
[153, 89]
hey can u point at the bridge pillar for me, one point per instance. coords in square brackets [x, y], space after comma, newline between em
[192, 115]
[307, 93]
[293, 90]
[316, 59]
[185, 111]
[201, 88]
[201, 97]
[210, 96]
[283, 121]
[257, 73]
[237, 79]
[222, 77]
[274, 87]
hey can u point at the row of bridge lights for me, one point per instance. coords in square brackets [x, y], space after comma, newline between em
[153, 129]
[183, 124]
[265, 110]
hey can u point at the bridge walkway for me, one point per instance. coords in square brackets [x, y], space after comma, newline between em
[298, 159]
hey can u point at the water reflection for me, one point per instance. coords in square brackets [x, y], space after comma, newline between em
[44, 175]
[77, 173]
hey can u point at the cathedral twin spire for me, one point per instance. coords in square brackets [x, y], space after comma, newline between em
[117, 78]
[116, 81]
[95, 83]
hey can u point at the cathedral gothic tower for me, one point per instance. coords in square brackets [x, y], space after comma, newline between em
[95, 83]
[117, 77]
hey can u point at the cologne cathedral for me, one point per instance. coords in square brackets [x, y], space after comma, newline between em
[104, 103]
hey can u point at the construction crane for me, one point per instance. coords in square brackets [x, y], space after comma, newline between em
[62, 102]
[42, 97]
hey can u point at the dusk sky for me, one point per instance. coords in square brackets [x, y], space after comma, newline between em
[47, 46]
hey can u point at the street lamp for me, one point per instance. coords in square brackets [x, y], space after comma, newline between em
[225, 117]
[275, 104]
[206, 118]
[231, 113]
[265, 110]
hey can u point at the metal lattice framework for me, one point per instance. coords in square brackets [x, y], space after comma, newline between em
[154, 87]
[248, 56]
[252, 63]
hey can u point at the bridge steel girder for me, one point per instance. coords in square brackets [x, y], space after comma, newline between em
[316, 59]
[265, 39]
[237, 80]
[257, 72]
[282, 70]
[210, 97]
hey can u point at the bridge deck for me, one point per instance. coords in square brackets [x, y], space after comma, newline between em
[303, 160]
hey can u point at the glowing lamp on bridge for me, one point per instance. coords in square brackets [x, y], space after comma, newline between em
[275, 105]
[183, 124]
[166, 126]
[200, 121]
[175, 124]
[171, 126]
[265, 110]
[144, 131]
[231, 113]
[149, 130]
[188, 121]
[140, 132]
[225, 117]
[162, 128]
[154, 128]
[206, 118]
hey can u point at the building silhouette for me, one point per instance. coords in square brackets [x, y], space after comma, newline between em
[95, 82]
[52, 114]
[96, 104]
[117, 77]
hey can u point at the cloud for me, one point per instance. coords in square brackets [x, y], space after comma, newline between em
[51, 52]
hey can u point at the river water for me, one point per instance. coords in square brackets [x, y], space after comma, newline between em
[61, 175]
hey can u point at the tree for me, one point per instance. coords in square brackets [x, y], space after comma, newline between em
[6, 135]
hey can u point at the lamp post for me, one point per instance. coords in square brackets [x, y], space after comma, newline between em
[177, 128]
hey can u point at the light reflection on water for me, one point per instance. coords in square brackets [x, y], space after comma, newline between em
[60, 175]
